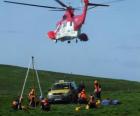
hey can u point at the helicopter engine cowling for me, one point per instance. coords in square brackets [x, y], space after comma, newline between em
[52, 35]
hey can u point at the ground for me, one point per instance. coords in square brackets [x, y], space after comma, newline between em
[11, 81]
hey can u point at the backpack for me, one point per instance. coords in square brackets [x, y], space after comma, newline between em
[115, 102]
[105, 102]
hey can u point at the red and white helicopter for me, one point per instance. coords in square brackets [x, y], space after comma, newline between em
[69, 27]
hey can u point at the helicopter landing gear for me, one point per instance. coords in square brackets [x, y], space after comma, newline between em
[55, 41]
[83, 37]
[69, 42]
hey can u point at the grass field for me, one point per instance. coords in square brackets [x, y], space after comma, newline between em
[11, 81]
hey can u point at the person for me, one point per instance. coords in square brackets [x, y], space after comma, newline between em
[31, 97]
[31, 94]
[82, 97]
[92, 101]
[97, 90]
[81, 86]
[45, 105]
[32, 102]
[15, 104]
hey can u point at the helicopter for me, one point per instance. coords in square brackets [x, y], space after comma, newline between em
[69, 27]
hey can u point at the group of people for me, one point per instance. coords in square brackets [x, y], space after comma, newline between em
[94, 99]
[33, 102]
[91, 101]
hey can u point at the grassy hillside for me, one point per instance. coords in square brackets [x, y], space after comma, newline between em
[12, 77]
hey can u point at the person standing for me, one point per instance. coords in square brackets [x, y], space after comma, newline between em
[97, 90]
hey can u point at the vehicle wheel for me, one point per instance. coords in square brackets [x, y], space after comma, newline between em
[73, 98]
[83, 37]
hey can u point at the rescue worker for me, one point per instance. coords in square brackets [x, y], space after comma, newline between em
[15, 104]
[31, 97]
[82, 97]
[32, 102]
[45, 105]
[97, 90]
[31, 94]
[92, 102]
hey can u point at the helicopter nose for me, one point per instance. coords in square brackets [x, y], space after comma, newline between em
[51, 35]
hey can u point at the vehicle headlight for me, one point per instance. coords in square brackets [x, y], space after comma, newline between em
[49, 94]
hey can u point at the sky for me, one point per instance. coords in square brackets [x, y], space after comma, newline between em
[113, 49]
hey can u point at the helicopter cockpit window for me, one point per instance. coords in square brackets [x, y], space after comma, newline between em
[64, 17]
[64, 24]
[71, 23]
[58, 28]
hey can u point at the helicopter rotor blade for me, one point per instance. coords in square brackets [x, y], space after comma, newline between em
[109, 2]
[61, 3]
[63, 9]
[57, 10]
[114, 1]
[34, 5]
[76, 8]
[93, 4]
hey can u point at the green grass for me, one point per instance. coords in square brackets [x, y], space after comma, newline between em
[11, 81]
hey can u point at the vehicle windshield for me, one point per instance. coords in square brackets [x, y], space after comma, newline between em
[61, 86]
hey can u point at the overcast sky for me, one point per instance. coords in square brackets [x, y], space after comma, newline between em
[113, 49]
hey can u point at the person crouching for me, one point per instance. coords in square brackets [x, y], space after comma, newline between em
[82, 97]
[15, 104]
[91, 102]
[45, 105]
